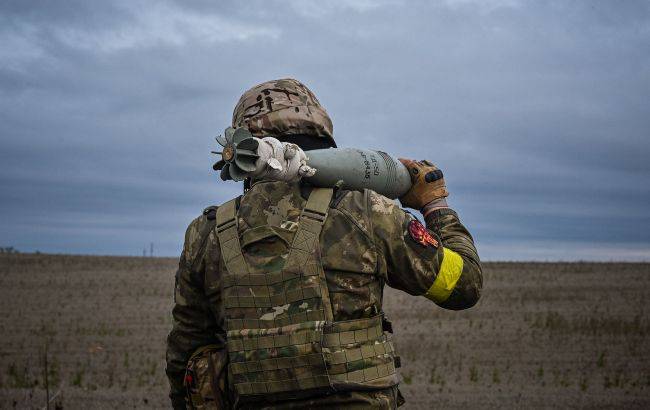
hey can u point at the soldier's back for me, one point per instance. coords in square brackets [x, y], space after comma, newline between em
[268, 217]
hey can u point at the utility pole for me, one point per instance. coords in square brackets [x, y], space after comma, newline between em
[151, 250]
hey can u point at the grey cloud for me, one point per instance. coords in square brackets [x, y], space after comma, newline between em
[537, 112]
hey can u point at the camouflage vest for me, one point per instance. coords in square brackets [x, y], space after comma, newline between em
[282, 339]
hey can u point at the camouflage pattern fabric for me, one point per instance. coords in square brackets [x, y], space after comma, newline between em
[365, 244]
[282, 338]
[383, 399]
[282, 107]
[205, 380]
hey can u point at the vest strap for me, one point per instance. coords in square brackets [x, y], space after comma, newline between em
[304, 253]
[365, 375]
[229, 238]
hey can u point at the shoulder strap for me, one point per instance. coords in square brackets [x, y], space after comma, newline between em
[304, 253]
[229, 238]
[319, 201]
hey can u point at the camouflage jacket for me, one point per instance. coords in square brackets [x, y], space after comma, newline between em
[367, 241]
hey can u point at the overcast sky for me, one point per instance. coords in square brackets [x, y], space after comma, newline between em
[537, 111]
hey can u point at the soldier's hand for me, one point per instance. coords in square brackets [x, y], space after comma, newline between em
[428, 184]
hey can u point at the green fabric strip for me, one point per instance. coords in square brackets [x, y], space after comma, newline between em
[365, 375]
[352, 336]
[226, 218]
[279, 363]
[239, 324]
[364, 352]
[305, 383]
[274, 299]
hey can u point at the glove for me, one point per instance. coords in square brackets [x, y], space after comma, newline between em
[281, 161]
[428, 184]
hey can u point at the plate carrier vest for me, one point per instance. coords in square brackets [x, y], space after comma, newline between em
[282, 340]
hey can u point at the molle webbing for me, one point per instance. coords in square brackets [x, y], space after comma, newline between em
[302, 363]
[229, 237]
[304, 254]
[356, 352]
[281, 333]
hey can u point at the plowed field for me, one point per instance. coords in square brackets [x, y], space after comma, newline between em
[543, 335]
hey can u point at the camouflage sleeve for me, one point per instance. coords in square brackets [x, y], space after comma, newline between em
[440, 263]
[454, 236]
[194, 324]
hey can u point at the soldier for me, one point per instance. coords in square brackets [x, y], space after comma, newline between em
[278, 296]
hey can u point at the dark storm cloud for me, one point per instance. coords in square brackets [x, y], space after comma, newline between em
[537, 112]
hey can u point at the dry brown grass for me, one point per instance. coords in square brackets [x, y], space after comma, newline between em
[543, 335]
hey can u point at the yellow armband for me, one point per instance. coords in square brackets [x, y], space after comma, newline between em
[449, 273]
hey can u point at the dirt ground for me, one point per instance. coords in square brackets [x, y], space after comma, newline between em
[543, 335]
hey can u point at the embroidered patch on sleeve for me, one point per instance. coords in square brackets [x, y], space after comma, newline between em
[421, 235]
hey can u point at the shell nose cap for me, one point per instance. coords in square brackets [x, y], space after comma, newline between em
[228, 153]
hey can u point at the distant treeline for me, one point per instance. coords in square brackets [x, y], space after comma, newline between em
[9, 249]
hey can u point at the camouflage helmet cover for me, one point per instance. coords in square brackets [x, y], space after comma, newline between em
[282, 107]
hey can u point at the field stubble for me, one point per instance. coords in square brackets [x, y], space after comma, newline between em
[543, 335]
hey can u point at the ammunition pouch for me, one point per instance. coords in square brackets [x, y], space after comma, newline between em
[205, 379]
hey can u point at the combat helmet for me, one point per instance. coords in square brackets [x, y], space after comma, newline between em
[287, 110]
